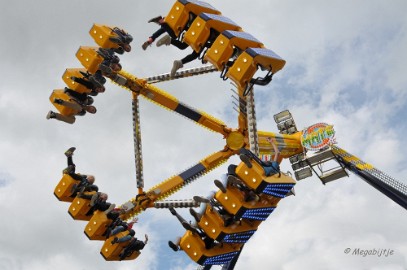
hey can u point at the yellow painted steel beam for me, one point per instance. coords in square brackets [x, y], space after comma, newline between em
[288, 145]
[176, 182]
[165, 100]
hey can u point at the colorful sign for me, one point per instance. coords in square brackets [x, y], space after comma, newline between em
[318, 136]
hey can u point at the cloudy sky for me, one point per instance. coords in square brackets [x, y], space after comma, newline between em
[345, 64]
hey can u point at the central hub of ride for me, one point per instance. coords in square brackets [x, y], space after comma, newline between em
[235, 140]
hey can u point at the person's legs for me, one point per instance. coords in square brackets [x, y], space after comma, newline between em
[232, 169]
[157, 33]
[180, 45]
[174, 245]
[81, 97]
[178, 216]
[63, 118]
[117, 230]
[190, 57]
[70, 104]
[83, 82]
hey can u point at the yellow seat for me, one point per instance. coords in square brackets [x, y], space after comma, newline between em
[97, 226]
[64, 110]
[245, 66]
[79, 207]
[63, 189]
[233, 202]
[89, 58]
[200, 30]
[179, 15]
[194, 247]
[102, 34]
[224, 46]
[277, 185]
[74, 72]
[111, 252]
[213, 225]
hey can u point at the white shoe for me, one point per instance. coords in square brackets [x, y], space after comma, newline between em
[166, 40]
[177, 65]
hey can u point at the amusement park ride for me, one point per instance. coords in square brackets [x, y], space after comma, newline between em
[238, 56]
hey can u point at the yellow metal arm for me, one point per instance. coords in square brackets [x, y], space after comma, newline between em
[175, 183]
[169, 102]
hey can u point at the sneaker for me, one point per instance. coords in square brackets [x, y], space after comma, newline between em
[201, 199]
[145, 45]
[70, 151]
[177, 65]
[196, 216]
[50, 115]
[173, 246]
[166, 40]
[172, 210]
[220, 185]
[246, 160]
[114, 241]
[155, 19]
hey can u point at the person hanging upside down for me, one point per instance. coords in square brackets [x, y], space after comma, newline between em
[84, 182]
[77, 110]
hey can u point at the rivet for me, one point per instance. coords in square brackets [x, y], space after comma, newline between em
[244, 60]
[100, 36]
[246, 172]
[193, 33]
[226, 198]
[238, 69]
[216, 51]
[213, 230]
[63, 183]
[188, 246]
[233, 205]
[206, 223]
[254, 180]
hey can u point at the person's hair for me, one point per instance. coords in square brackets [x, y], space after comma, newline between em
[91, 179]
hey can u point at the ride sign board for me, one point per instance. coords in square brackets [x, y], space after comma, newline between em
[318, 136]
